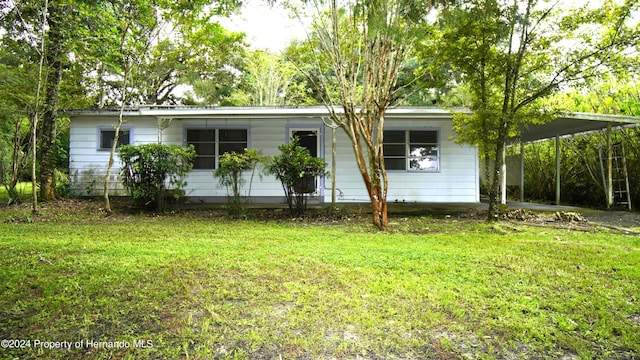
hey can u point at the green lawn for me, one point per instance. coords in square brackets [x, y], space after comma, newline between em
[195, 285]
[23, 189]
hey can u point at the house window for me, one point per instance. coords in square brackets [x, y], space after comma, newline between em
[413, 150]
[211, 143]
[107, 136]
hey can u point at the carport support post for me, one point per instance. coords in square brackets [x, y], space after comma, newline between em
[557, 169]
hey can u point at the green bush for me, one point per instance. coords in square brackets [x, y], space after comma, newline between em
[150, 170]
[229, 173]
[296, 168]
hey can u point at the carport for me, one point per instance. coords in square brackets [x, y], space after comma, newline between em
[567, 125]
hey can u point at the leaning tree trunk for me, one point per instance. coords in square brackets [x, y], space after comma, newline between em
[375, 180]
[114, 145]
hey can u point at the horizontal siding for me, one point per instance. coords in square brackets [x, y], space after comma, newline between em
[87, 164]
[457, 180]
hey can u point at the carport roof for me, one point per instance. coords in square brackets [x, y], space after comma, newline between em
[574, 123]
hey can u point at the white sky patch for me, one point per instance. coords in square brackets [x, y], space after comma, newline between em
[267, 27]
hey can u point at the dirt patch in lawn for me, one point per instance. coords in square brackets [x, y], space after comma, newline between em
[617, 221]
[93, 209]
[626, 219]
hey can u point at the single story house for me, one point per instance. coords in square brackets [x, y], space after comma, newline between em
[424, 163]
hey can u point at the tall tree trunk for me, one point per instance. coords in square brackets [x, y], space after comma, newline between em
[380, 181]
[34, 120]
[494, 185]
[48, 134]
[501, 142]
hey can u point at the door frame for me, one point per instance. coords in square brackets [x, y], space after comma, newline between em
[289, 129]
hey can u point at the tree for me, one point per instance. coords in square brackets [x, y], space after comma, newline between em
[34, 121]
[138, 26]
[25, 41]
[306, 78]
[82, 39]
[61, 21]
[268, 79]
[608, 97]
[28, 48]
[200, 57]
[20, 84]
[14, 130]
[30, 29]
[513, 54]
[358, 50]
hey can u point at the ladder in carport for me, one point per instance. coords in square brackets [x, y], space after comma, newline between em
[620, 177]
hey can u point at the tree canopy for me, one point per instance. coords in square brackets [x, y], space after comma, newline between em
[511, 55]
[510, 62]
[87, 46]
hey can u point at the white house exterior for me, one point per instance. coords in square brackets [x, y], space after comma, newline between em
[424, 164]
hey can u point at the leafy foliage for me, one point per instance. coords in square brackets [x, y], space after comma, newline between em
[88, 45]
[614, 97]
[583, 168]
[202, 57]
[358, 48]
[511, 62]
[148, 169]
[270, 80]
[231, 166]
[296, 169]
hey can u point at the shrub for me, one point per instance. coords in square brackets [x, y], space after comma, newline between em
[296, 168]
[149, 170]
[62, 184]
[229, 173]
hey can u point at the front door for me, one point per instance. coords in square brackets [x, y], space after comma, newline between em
[310, 139]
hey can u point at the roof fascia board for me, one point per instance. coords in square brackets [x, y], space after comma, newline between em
[254, 112]
[624, 119]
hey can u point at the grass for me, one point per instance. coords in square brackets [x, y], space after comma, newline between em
[23, 188]
[196, 285]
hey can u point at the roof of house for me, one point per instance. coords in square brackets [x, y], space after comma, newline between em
[568, 124]
[181, 111]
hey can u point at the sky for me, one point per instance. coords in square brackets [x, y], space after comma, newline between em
[267, 28]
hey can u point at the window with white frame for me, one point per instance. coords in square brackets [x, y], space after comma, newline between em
[412, 150]
[107, 135]
[211, 143]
